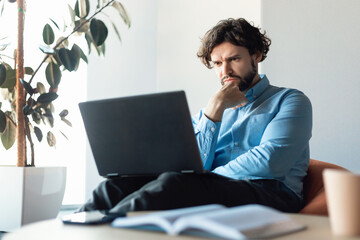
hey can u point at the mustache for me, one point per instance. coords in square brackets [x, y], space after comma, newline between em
[230, 76]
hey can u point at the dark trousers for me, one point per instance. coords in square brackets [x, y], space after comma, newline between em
[176, 190]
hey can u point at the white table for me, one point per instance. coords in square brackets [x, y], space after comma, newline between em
[318, 227]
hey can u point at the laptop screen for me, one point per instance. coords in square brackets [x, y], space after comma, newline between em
[141, 135]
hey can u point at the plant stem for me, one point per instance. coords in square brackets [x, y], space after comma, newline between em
[75, 30]
[31, 142]
[20, 91]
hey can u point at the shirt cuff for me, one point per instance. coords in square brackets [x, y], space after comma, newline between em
[207, 127]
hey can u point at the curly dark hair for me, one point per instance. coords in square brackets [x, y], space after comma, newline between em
[236, 31]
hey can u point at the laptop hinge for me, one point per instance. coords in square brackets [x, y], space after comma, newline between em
[112, 175]
[187, 171]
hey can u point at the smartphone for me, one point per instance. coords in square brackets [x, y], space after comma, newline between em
[90, 218]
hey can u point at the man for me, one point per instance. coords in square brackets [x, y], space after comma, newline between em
[253, 137]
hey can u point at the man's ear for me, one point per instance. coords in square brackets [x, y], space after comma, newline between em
[257, 57]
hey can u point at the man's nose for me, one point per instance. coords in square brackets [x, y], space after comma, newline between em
[227, 70]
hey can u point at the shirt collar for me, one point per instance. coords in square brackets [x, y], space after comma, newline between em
[258, 89]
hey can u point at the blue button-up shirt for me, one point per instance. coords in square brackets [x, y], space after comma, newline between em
[268, 138]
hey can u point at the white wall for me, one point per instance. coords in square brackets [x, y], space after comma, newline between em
[316, 49]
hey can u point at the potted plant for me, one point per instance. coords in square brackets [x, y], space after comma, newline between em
[31, 107]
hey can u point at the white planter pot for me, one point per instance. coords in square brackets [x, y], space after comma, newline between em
[30, 194]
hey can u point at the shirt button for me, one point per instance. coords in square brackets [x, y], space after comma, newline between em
[205, 154]
[212, 129]
[236, 143]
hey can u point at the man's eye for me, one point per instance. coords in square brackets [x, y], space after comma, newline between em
[235, 59]
[216, 64]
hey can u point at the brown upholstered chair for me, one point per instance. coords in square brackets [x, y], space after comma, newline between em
[314, 194]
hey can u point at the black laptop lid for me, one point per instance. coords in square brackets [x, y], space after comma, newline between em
[141, 135]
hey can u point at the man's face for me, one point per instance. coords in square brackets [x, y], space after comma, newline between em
[234, 63]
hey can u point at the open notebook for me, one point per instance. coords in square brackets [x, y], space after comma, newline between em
[251, 221]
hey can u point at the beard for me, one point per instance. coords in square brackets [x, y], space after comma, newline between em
[246, 81]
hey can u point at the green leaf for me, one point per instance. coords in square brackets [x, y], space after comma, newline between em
[7, 66]
[64, 135]
[49, 117]
[66, 121]
[27, 86]
[72, 15]
[51, 139]
[98, 50]
[2, 121]
[38, 133]
[2, 74]
[56, 59]
[53, 74]
[124, 15]
[29, 71]
[116, 31]
[76, 9]
[98, 31]
[9, 135]
[63, 113]
[51, 107]
[47, 97]
[88, 41]
[82, 54]
[79, 53]
[10, 79]
[76, 51]
[102, 49]
[47, 49]
[91, 43]
[83, 11]
[36, 116]
[40, 87]
[48, 34]
[4, 46]
[114, 26]
[55, 24]
[69, 59]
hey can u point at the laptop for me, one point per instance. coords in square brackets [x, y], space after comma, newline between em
[141, 135]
